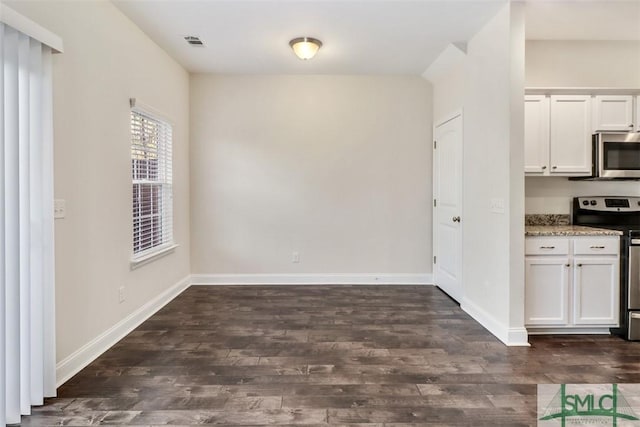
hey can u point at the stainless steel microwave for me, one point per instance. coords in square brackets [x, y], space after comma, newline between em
[616, 155]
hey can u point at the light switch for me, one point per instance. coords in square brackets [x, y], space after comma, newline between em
[497, 206]
[59, 208]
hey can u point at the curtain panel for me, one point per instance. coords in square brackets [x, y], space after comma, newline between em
[27, 300]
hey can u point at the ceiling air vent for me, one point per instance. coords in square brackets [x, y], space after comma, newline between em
[194, 41]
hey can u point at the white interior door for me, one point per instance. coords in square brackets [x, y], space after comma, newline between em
[447, 193]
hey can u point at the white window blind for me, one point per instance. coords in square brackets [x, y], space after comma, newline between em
[151, 140]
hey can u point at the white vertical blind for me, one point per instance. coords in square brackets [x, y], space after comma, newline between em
[27, 326]
[12, 225]
[151, 172]
[3, 287]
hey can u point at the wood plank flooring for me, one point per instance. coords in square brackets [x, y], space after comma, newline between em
[318, 355]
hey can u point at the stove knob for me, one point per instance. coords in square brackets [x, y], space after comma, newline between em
[593, 203]
[586, 202]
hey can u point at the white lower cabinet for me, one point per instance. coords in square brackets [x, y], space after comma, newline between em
[547, 291]
[571, 283]
[596, 291]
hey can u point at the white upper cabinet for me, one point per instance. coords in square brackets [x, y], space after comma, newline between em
[570, 135]
[536, 136]
[613, 113]
[557, 134]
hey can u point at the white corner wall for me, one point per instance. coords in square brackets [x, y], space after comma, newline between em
[107, 60]
[493, 162]
[336, 168]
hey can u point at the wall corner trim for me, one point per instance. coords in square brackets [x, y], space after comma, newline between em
[82, 357]
[312, 279]
[513, 337]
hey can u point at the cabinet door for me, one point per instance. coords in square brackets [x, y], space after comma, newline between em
[613, 112]
[570, 135]
[536, 134]
[546, 291]
[637, 113]
[596, 291]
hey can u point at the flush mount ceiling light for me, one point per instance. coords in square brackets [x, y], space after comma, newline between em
[305, 47]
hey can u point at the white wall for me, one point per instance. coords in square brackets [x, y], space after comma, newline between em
[107, 60]
[448, 93]
[578, 64]
[554, 195]
[493, 163]
[572, 63]
[337, 168]
[517, 333]
[447, 77]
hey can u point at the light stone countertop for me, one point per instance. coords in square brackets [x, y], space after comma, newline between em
[568, 230]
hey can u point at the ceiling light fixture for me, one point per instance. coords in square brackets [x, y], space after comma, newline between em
[305, 47]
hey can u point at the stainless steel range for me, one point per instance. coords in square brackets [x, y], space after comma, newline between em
[623, 214]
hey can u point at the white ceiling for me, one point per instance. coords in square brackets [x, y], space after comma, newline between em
[359, 36]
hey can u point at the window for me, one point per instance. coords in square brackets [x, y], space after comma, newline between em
[151, 177]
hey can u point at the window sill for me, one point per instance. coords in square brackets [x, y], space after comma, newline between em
[139, 261]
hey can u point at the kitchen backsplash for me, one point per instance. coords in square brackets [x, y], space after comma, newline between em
[545, 195]
[547, 219]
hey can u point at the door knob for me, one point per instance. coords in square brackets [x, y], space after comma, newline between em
[456, 219]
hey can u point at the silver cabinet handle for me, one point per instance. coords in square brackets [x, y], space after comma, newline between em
[455, 219]
[597, 247]
[547, 247]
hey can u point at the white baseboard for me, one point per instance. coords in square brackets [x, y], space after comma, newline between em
[75, 362]
[312, 279]
[594, 330]
[518, 337]
[509, 336]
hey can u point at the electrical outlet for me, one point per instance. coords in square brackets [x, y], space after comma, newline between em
[59, 208]
[295, 257]
[121, 294]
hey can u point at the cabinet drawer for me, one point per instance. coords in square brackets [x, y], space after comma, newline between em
[591, 246]
[546, 246]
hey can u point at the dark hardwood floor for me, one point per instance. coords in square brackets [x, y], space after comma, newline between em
[318, 355]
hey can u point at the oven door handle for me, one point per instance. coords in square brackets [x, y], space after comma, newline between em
[635, 241]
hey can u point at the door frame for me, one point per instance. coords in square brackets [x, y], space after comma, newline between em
[447, 118]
